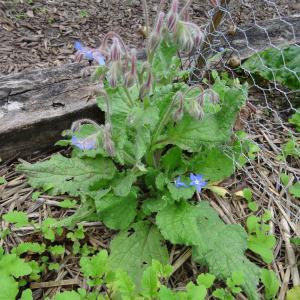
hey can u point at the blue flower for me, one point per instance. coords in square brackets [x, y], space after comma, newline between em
[90, 54]
[88, 143]
[179, 183]
[197, 181]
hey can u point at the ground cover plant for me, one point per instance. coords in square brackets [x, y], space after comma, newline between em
[142, 173]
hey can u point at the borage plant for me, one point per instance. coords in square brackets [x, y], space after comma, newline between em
[143, 171]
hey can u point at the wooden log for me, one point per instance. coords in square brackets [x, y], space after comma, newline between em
[36, 106]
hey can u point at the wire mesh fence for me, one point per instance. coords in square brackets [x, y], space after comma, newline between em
[264, 42]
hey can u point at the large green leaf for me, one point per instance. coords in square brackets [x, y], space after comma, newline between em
[9, 287]
[189, 134]
[68, 175]
[221, 247]
[177, 223]
[213, 164]
[280, 65]
[117, 212]
[133, 252]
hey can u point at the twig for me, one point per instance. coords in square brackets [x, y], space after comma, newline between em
[48, 284]
[285, 231]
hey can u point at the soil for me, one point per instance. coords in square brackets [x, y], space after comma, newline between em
[41, 33]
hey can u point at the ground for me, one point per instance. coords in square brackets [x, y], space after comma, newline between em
[39, 34]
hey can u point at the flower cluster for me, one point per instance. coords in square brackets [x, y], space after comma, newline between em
[195, 180]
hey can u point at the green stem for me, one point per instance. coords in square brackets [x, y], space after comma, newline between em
[131, 102]
[163, 122]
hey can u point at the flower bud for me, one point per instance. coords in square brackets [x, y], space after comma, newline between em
[196, 110]
[184, 37]
[108, 143]
[212, 96]
[130, 76]
[116, 50]
[178, 113]
[172, 17]
[198, 36]
[114, 73]
[155, 36]
[146, 87]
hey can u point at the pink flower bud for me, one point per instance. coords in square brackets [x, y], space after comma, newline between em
[130, 76]
[212, 96]
[116, 50]
[198, 37]
[146, 87]
[196, 110]
[172, 17]
[178, 113]
[114, 73]
[184, 37]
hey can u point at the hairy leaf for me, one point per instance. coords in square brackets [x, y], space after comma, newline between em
[68, 175]
[221, 247]
[117, 212]
[189, 134]
[133, 252]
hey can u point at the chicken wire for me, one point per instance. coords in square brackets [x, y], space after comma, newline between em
[227, 44]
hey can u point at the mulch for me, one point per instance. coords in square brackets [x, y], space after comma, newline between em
[41, 33]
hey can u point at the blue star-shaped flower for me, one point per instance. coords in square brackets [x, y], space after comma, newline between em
[197, 181]
[179, 183]
[84, 144]
[90, 54]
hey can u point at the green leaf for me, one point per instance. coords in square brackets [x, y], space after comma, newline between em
[30, 247]
[11, 264]
[133, 252]
[277, 65]
[295, 120]
[190, 134]
[177, 223]
[295, 190]
[57, 250]
[284, 179]
[53, 266]
[2, 180]
[295, 241]
[18, 218]
[195, 292]
[96, 266]
[213, 164]
[27, 295]
[9, 287]
[68, 203]
[68, 175]
[259, 240]
[165, 62]
[177, 194]
[124, 184]
[271, 283]
[206, 279]
[172, 160]
[117, 212]
[142, 142]
[201, 227]
[294, 293]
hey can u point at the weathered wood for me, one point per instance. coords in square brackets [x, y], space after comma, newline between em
[36, 106]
